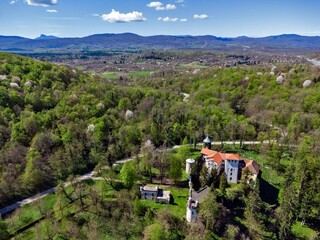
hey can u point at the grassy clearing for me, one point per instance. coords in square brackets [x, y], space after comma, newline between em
[303, 231]
[80, 68]
[193, 65]
[178, 208]
[30, 213]
[110, 75]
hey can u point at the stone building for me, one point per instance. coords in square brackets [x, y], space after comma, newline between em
[154, 193]
[232, 164]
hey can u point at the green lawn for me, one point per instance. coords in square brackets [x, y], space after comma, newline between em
[178, 208]
[30, 213]
[303, 232]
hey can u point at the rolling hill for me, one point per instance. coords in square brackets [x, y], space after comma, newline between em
[133, 41]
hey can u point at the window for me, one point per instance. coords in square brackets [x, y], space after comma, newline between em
[230, 178]
[231, 174]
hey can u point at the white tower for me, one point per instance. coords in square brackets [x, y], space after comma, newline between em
[231, 168]
[192, 206]
[189, 163]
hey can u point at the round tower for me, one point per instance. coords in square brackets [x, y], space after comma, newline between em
[207, 142]
[189, 163]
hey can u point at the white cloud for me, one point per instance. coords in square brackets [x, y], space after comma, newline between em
[52, 11]
[201, 16]
[42, 3]
[160, 7]
[155, 4]
[167, 19]
[95, 15]
[179, 1]
[183, 20]
[13, 2]
[170, 7]
[117, 17]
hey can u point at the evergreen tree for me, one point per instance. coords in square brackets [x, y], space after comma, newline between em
[175, 171]
[128, 174]
[252, 215]
[223, 184]
[204, 176]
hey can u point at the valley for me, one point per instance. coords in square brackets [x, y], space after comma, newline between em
[75, 113]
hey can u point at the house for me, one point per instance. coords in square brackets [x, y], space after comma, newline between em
[254, 169]
[232, 164]
[154, 193]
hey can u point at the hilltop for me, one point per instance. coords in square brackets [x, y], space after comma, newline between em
[127, 41]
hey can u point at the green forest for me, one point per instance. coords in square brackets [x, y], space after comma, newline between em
[57, 123]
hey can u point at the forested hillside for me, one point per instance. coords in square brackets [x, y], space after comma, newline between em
[56, 122]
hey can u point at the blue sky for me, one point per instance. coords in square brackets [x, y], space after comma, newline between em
[225, 18]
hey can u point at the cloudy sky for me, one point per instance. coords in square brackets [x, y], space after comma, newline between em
[225, 18]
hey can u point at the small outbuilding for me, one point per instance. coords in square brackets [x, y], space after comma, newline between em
[154, 193]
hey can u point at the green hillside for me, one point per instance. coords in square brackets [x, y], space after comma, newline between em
[56, 122]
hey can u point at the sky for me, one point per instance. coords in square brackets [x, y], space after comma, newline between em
[223, 18]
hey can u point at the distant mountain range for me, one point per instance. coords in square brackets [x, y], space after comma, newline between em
[130, 41]
[45, 37]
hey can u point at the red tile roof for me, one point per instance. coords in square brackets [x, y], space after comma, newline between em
[218, 157]
[253, 166]
[207, 151]
[232, 156]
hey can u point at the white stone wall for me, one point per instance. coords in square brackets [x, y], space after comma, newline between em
[231, 169]
[210, 165]
[188, 167]
[191, 211]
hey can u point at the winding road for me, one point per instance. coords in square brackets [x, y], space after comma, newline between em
[91, 175]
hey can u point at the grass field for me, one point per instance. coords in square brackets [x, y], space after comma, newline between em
[303, 232]
[35, 211]
[178, 207]
[110, 75]
[29, 213]
[193, 65]
[140, 74]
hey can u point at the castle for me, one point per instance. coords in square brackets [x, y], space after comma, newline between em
[232, 164]
[229, 163]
